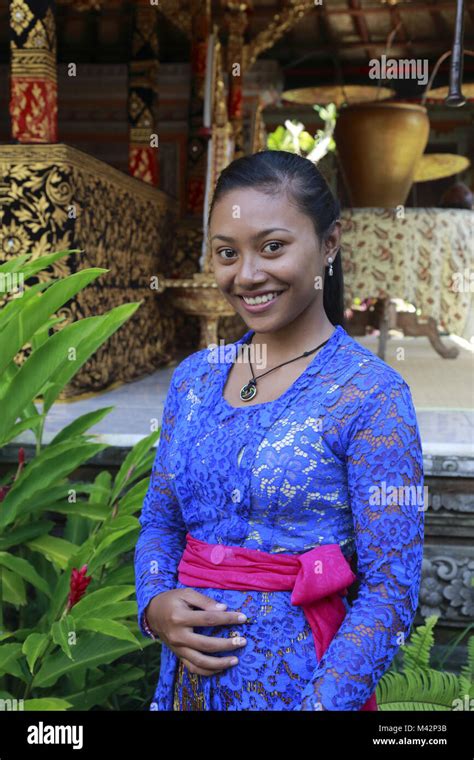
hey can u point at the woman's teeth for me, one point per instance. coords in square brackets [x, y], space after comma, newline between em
[261, 299]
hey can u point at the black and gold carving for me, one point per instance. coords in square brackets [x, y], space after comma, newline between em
[56, 197]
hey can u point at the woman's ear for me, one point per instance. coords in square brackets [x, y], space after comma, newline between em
[332, 239]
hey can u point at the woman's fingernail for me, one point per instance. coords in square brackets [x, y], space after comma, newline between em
[242, 618]
[234, 661]
[221, 606]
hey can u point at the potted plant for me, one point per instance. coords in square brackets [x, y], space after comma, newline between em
[319, 148]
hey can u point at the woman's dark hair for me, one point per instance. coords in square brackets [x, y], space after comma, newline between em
[276, 171]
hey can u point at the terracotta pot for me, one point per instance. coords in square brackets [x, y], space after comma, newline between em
[379, 145]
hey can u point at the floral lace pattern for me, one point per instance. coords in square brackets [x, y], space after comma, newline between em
[336, 458]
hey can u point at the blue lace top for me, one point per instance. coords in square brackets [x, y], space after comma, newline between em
[336, 458]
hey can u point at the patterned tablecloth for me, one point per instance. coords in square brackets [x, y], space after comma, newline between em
[422, 255]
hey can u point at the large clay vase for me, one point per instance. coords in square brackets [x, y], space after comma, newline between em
[379, 145]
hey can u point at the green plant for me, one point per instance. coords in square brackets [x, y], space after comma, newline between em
[294, 138]
[55, 645]
[418, 686]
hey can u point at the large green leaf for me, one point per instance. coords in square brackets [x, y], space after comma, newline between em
[92, 649]
[117, 610]
[40, 366]
[47, 703]
[91, 603]
[117, 526]
[63, 492]
[15, 305]
[23, 568]
[15, 263]
[37, 310]
[132, 460]
[124, 573]
[32, 423]
[33, 647]
[8, 375]
[416, 653]
[122, 543]
[98, 512]
[30, 418]
[42, 334]
[145, 466]
[61, 629]
[107, 627]
[10, 655]
[12, 588]
[103, 327]
[29, 266]
[46, 469]
[417, 690]
[24, 533]
[56, 550]
[132, 501]
[45, 260]
[81, 424]
[97, 694]
[100, 493]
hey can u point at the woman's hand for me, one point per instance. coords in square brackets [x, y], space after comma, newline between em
[172, 617]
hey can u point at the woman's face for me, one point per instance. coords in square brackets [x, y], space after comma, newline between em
[263, 244]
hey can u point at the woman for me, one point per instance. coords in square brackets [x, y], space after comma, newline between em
[278, 484]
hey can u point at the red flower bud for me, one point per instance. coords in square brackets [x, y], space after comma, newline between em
[21, 462]
[78, 585]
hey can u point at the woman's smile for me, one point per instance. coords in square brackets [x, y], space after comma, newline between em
[260, 303]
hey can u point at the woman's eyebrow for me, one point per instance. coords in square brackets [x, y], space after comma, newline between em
[229, 239]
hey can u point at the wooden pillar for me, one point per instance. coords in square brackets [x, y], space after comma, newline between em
[33, 76]
[143, 95]
[237, 20]
[198, 136]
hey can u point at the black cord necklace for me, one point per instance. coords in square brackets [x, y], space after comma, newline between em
[249, 390]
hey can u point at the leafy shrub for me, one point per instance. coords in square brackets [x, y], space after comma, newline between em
[67, 606]
[418, 686]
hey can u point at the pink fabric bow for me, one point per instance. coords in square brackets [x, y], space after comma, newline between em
[317, 578]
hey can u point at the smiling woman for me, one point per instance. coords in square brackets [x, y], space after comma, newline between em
[282, 222]
[273, 493]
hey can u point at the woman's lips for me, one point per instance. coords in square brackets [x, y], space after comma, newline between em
[260, 306]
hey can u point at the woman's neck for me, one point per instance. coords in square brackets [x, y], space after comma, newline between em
[292, 340]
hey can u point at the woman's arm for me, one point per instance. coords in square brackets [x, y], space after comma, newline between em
[385, 484]
[161, 540]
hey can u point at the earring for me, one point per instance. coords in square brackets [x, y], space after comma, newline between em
[330, 267]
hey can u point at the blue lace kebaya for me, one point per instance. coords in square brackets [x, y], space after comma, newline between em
[336, 458]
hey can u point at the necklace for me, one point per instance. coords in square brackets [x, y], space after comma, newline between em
[249, 390]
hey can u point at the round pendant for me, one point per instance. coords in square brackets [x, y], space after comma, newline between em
[248, 391]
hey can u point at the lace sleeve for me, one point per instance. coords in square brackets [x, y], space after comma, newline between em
[161, 540]
[386, 490]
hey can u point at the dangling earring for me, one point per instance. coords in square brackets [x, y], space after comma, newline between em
[330, 267]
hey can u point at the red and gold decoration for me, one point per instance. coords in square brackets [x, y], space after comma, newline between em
[236, 18]
[33, 80]
[143, 93]
[198, 134]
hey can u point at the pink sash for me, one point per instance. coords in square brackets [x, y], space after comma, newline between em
[318, 591]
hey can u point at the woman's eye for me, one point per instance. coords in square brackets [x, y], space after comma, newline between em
[274, 242]
[227, 258]
[223, 251]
